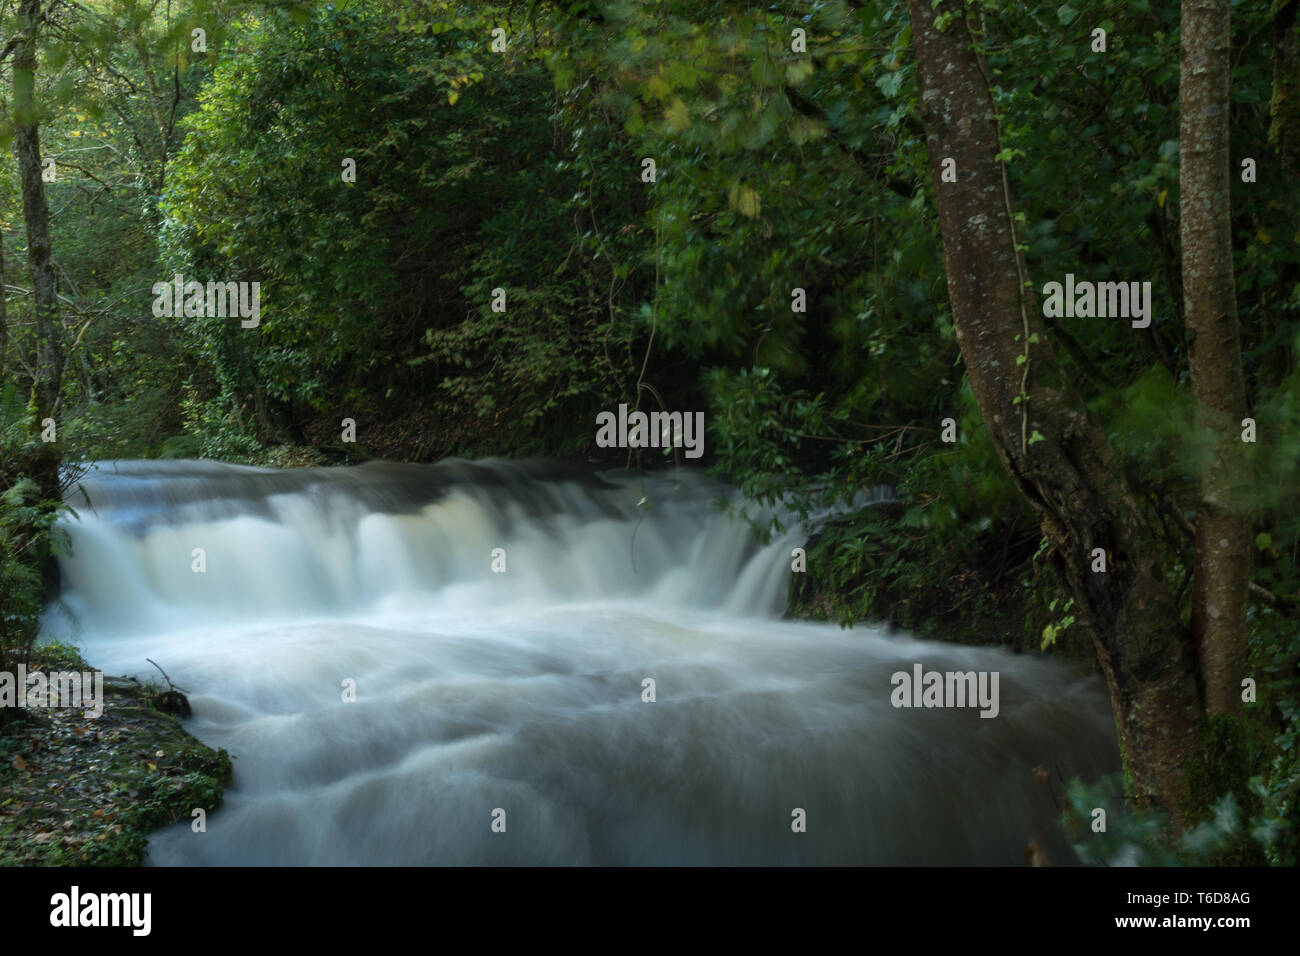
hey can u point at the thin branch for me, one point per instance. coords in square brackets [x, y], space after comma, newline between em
[170, 685]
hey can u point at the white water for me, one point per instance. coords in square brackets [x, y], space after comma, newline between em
[523, 691]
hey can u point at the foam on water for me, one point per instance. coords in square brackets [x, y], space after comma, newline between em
[523, 690]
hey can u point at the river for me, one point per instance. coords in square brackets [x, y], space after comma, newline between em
[497, 624]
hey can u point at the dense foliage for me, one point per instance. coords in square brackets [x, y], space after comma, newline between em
[779, 177]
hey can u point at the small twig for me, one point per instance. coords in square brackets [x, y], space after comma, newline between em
[631, 545]
[170, 685]
[1278, 602]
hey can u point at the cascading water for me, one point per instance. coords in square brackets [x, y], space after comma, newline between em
[523, 691]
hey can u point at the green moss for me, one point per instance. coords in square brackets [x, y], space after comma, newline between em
[1125, 768]
[1221, 768]
[81, 792]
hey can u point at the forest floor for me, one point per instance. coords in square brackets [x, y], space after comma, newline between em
[77, 791]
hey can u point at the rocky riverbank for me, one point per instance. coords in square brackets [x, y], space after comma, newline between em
[76, 791]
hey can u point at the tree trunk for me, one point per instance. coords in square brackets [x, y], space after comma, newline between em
[1071, 475]
[4, 313]
[36, 215]
[1284, 131]
[1220, 592]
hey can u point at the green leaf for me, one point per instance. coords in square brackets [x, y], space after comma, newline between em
[799, 70]
[748, 202]
[890, 83]
[677, 115]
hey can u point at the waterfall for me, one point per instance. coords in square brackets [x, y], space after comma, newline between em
[503, 625]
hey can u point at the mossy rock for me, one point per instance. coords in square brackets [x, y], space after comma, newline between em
[87, 792]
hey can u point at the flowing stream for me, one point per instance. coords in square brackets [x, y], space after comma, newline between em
[479, 690]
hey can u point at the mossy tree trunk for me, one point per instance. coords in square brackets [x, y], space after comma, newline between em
[36, 215]
[1056, 454]
[1220, 591]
